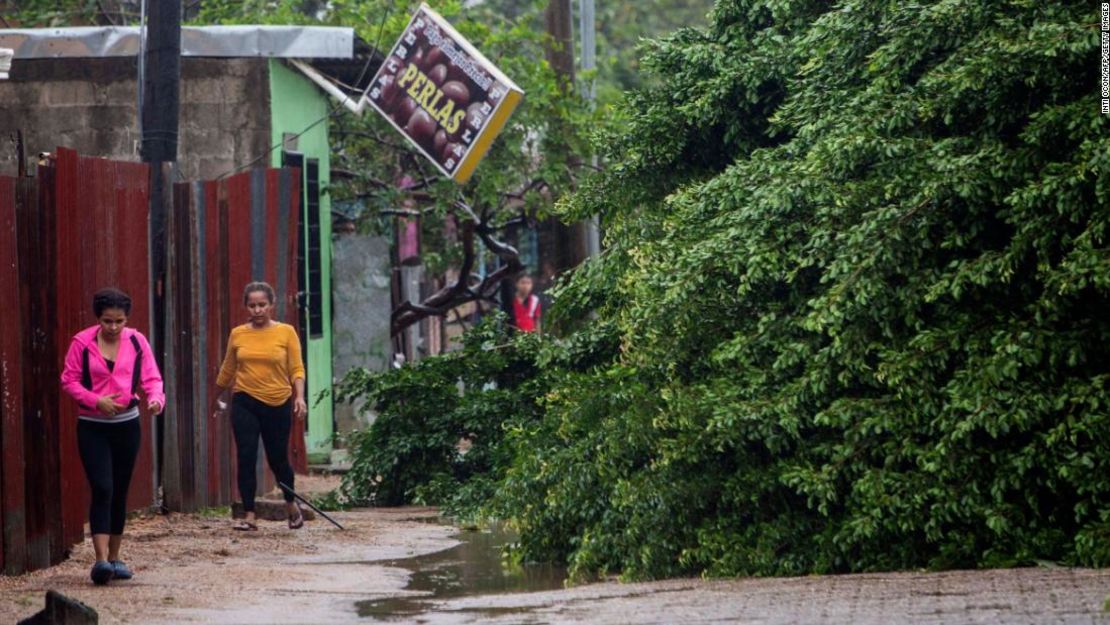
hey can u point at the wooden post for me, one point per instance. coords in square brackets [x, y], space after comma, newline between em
[560, 50]
[162, 83]
[159, 119]
[558, 21]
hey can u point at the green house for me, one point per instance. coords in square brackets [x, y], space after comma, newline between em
[295, 104]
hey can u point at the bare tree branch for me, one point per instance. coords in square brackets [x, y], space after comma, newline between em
[461, 291]
[185, 11]
[104, 13]
[337, 173]
[459, 319]
[440, 302]
[536, 184]
[373, 136]
[515, 221]
[401, 212]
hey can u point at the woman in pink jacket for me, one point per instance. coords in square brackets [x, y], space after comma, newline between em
[105, 366]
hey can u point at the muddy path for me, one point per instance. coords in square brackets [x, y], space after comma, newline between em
[403, 566]
[195, 569]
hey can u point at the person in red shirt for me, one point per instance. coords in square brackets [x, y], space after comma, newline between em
[526, 305]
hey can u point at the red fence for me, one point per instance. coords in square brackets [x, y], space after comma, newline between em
[102, 231]
[14, 196]
[81, 224]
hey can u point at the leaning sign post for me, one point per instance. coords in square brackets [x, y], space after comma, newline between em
[442, 94]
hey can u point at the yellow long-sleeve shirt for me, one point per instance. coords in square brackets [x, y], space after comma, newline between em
[263, 362]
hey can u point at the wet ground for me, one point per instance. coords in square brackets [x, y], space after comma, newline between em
[1011, 597]
[195, 569]
[470, 584]
[402, 566]
[473, 568]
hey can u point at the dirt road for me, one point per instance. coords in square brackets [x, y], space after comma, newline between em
[194, 569]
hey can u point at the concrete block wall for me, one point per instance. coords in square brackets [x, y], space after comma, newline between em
[361, 291]
[91, 105]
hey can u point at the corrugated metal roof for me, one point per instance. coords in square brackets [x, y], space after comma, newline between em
[205, 41]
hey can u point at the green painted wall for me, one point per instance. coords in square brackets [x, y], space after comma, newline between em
[295, 103]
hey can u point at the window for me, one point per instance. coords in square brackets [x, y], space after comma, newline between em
[304, 304]
[315, 258]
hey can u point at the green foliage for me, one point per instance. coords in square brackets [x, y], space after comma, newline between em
[439, 430]
[858, 277]
[215, 512]
[53, 13]
[622, 26]
[851, 315]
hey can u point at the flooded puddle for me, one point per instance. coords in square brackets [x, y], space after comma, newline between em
[472, 568]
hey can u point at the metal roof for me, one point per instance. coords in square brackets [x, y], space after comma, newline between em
[318, 42]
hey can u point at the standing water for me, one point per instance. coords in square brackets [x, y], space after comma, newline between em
[472, 568]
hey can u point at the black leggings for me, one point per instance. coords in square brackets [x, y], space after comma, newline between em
[108, 451]
[249, 418]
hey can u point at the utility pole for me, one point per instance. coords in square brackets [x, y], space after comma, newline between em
[560, 53]
[587, 27]
[161, 83]
[559, 23]
[160, 88]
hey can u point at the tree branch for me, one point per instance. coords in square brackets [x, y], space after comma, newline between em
[459, 319]
[401, 212]
[373, 136]
[440, 302]
[461, 292]
[538, 183]
[104, 13]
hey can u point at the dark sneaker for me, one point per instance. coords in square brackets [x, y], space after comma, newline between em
[102, 572]
[121, 570]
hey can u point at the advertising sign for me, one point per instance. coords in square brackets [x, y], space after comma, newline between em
[443, 95]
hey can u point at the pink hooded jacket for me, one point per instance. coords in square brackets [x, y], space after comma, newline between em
[105, 382]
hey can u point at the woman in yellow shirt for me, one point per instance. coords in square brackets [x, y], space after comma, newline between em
[264, 371]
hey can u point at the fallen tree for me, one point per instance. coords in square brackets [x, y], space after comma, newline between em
[468, 287]
[858, 273]
[852, 312]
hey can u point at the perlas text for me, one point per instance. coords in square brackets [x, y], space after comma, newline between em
[439, 102]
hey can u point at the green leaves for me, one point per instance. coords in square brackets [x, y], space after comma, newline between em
[438, 432]
[851, 315]
[856, 274]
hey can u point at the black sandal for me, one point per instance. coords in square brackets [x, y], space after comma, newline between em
[245, 526]
[296, 522]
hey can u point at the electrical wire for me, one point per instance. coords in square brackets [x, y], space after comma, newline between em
[334, 109]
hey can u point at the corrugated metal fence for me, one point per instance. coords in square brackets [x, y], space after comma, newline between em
[223, 234]
[80, 224]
